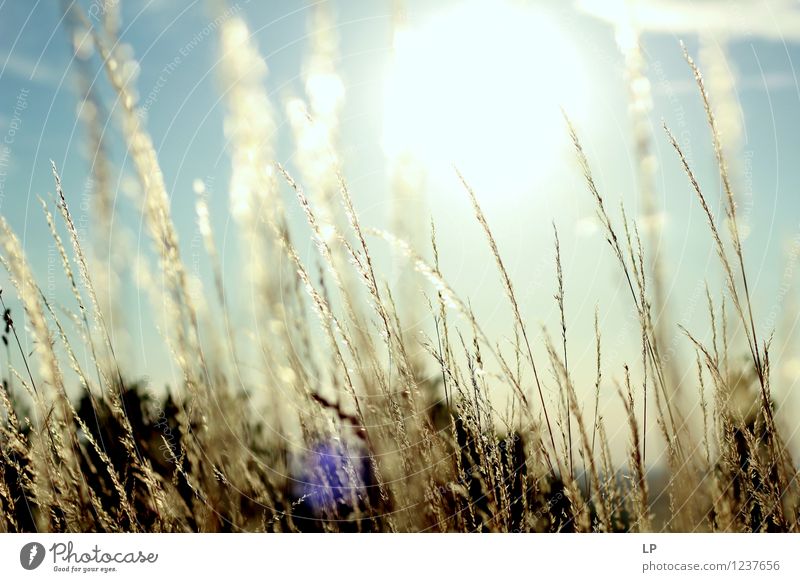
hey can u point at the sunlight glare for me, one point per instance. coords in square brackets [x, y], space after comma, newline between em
[480, 86]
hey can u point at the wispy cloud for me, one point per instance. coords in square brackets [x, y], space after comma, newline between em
[771, 20]
[26, 67]
[769, 82]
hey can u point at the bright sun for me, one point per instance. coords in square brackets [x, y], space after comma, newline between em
[480, 85]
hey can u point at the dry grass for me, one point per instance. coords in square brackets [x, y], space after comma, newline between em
[359, 425]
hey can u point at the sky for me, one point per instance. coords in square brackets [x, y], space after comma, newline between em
[468, 83]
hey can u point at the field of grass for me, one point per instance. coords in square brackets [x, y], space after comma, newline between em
[361, 425]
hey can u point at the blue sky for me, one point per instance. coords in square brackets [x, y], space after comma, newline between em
[761, 43]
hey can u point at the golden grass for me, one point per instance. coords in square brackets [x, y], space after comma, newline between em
[363, 426]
